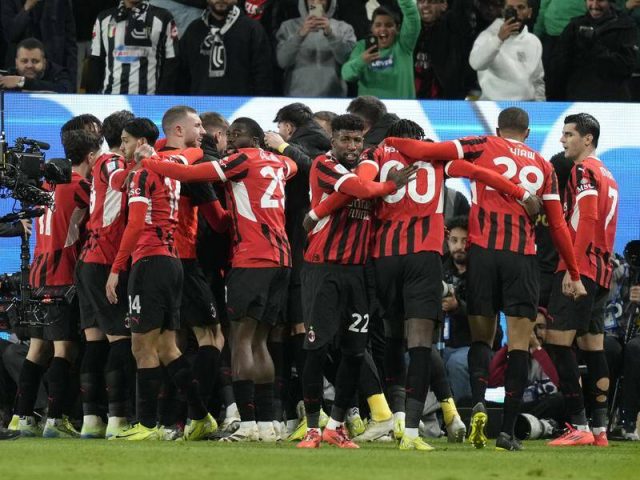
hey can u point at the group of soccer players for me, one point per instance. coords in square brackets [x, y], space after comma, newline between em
[124, 232]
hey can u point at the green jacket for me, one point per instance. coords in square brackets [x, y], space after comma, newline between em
[391, 76]
[554, 15]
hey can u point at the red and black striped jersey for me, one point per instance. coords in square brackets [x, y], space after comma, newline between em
[342, 237]
[107, 211]
[254, 188]
[161, 195]
[497, 221]
[60, 233]
[592, 179]
[410, 220]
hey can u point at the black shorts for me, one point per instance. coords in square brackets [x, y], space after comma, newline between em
[499, 280]
[258, 293]
[546, 285]
[198, 308]
[410, 286]
[294, 304]
[95, 309]
[585, 315]
[62, 320]
[155, 292]
[335, 305]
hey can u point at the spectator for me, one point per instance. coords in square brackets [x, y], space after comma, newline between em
[49, 21]
[32, 72]
[358, 14]
[225, 53]
[311, 50]
[553, 17]
[133, 50]
[632, 7]
[85, 14]
[484, 13]
[457, 336]
[508, 58]
[375, 117]
[385, 69]
[441, 56]
[324, 119]
[595, 56]
[184, 12]
[270, 13]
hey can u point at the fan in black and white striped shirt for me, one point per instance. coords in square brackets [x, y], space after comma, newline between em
[134, 50]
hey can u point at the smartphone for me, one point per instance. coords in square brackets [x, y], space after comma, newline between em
[371, 41]
[510, 13]
[317, 10]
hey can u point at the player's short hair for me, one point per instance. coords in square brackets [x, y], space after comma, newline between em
[405, 128]
[459, 221]
[254, 129]
[213, 120]
[31, 44]
[297, 114]
[325, 115]
[347, 122]
[80, 143]
[113, 125]
[513, 119]
[585, 124]
[142, 128]
[81, 122]
[368, 107]
[174, 114]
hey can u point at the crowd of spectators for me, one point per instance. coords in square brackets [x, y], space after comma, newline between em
[429, 49]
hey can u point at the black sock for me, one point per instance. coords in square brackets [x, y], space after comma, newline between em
[243, 391]
[312, 385]
[598, 371]
[395, 373]
[92, 381]
[28, 385]
[418, 376]
[119, 370]
[149, 383]
[567, 366]
[515, 381]
[299, 353]
[369, 380]
[167, 400]
[264, 401]
[58, 382]
[346, 385]
[439, 382]
[276, 350]
[188, 386]
[205, 370]
[478, 359]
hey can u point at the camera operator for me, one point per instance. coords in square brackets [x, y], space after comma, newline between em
[595, 56]
[59, 236]
[622, 345]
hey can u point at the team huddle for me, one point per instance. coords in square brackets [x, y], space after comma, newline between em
[125, 231]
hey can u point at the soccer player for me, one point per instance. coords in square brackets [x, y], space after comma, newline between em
[261, 260]
[183, 129]
[334, 295]
[107, 359]
[154, 291]
[591, 209]
[502, 270]
[59, 236]
[407, 242]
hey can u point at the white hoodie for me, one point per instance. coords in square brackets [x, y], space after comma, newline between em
[509, 70]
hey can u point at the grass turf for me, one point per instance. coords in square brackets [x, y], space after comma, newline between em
[96, 459]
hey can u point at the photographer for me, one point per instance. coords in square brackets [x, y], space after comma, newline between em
[595, 56]
[59, 236]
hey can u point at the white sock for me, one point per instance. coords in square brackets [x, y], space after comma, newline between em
[51, 421]
[232, 411]
[92, 421]
[333, 424]
[598, 430]
[316, 429]
[117, 421]
[411, 433]
[248, 425]
[399, 415]
[292, 424]
[583, 428]
[263, 425]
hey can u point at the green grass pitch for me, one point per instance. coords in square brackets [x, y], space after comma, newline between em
[96, 459]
